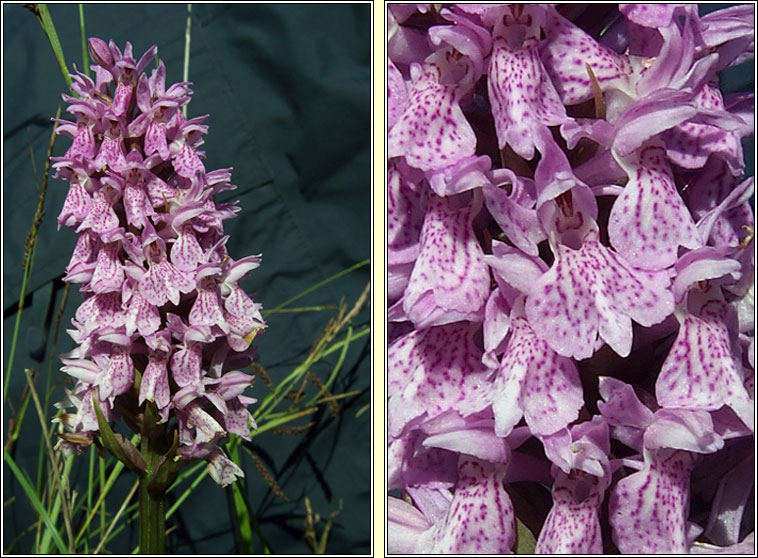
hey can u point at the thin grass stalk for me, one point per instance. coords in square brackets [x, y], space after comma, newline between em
[32, 243]
[59, 482]
[117, 517]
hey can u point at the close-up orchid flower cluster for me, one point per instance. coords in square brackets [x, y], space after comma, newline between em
[163, 319]
[570, 280]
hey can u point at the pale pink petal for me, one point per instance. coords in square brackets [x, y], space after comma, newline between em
[109, 273]
[650, 220]
[450, 281]
[648, 509]
[700, 371]
[206, 309]
[154, 385]
[432, 132]
[433, 370]
[535, 381]
[186, 364]
[119, 376]
[222, 469]
[101, 217]
[592, 293]
[186, 253]
[480, 519]
[187, 163]
[405, 214]
[522, 95]
[566, 52]
[76, 207]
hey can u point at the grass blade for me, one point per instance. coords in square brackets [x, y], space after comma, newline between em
[34, 500]
[43, 16]
[85, 51]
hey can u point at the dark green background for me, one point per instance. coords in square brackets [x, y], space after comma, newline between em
[288, 93]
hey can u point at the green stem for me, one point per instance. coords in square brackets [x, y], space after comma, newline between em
[152, 506]
[152, 520]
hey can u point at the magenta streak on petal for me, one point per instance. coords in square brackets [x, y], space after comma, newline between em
[206, 309]
[186, 253]
[109, 273]
[154, 385]
[76, 207]
[649, 220]
[101, 217]
[690, 144]
[136, 205]
[187, 163]
[565, 53]
[648, 509]
[111, 154]
[700, 371]
[592, 292]
[450, 281]
[535, 381]
[405, 217]
[432, 132]
[572, 526]
[119, 375]
[84, 143]
[480, 519]
[433, 370]
[185, 364]
[523, 98]
[519, 223]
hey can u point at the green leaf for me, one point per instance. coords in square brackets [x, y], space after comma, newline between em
[121, 448]
[32, 495]
[525, 541]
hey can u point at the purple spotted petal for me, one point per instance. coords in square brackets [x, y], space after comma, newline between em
[84, 143]
[155, 140]
[154, 385]
[519, 223]
[405, 214]
[187, 163]
[119, 375]
[589, 293]
[206, 309]
[690, 144]
[76, 207]
[523, 97]
[432, 132]
[649, 220]
[648, 509]
[222, 469]
[141, 316]
[159, 192]
[109, 273]
[186, 253]
[137, 206]
[567, 51]
[101, 217]
[534, 381]
[450, 281]
[186, 363]
[480, 519]
[433, 370]
[111, 154]
[121, 98]
[164, 282]
[700, 371]
[101, 310]
[572, 525]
